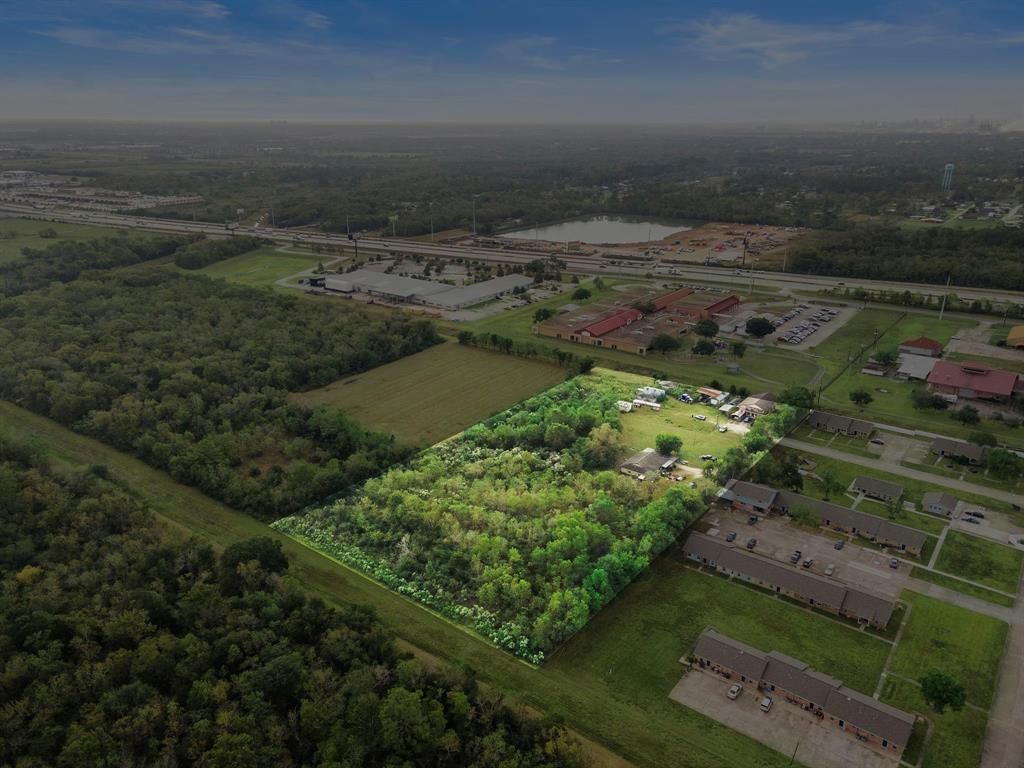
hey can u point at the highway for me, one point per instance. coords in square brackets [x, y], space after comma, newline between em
[574, 262]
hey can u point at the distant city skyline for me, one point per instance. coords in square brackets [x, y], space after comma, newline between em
[455, 61]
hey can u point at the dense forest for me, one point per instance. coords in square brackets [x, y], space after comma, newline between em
[64, 261]
[118, 648]
[992, 257]
[205, 252]
[192, 375]
[520, 527]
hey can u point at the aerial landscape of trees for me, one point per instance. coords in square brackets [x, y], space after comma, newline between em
[520, 527]
[192, 375]
[119, 647]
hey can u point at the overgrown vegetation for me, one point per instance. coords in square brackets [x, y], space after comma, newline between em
[121, 649]
[192, 374]
[206, 252]
[517, 527]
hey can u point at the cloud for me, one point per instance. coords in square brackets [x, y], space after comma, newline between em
[532, 50]
[204, 9]
[180, 41]
[297, 12]
[771, 43]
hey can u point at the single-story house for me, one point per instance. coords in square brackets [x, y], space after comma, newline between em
[915, 367]
[843, 425]
[958, 449]
[939, 503]
[646, 462]
[866, 718]
[882, 490]
[751, 497]
[756, 405]
[921, 345]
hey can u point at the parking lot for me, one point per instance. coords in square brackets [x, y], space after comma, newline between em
[859, 566]
[786, 728]
[811, 326]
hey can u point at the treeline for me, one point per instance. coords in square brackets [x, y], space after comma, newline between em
[192, 375]
[953, 303]
[121, 649]
[498, 343]
[520, 528]
[66, 261]
[987, 257]
[205, 252]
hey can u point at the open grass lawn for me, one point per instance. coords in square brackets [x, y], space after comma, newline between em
[640, 427]
[584, 686]
[957, 737]
[981, 560]
[437, 393]
[962, 643]
[27, 231]
[959, 586]
[760, 370]
[263, 266]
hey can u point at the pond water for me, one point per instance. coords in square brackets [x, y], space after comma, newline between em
[602, 229]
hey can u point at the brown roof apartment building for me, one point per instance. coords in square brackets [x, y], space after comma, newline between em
[866, 718]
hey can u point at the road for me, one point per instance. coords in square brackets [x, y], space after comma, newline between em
[882, 466]
[578, 263]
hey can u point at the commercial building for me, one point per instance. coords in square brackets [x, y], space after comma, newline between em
[867, 719]
[1015, 338]
[786, 580]
[915, 367]
[760, 499]
[410, 290]
[972, 380]
[842, 425]
[633, 320]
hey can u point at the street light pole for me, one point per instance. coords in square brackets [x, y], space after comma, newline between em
[431, 221]
[474, 214]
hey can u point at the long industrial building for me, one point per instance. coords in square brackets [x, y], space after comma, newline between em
[411, 290]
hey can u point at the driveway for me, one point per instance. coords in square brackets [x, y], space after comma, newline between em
[786, 728]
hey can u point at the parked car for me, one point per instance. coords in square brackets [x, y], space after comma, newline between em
[894, 563]
[723, 429]
[730, 536]
[839, 545]
[830, 570]
[752, 520]
[734, 691]
[751, 543]
[700, 417]
[972, 520]
[979, 514]
[808, 562]
[877, 441]
[707, 457]
[795, 557]
[766, 704]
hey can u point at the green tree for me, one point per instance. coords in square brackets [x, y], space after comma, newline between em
[668, 445]
[664, 342]
[967, 415]
[758, 327]
[861, 398]
[738, 348]
[831, 483]
[798, 397]
[581, 294]
[887, 356]
[706, 327]
[942, 690]
[542, 314]
[465, 337]
[704, 347]
[603, 445]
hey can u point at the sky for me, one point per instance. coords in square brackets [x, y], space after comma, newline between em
[523, 61]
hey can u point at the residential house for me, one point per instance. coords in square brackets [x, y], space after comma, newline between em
[647, 461]
[958, 449]
[939, 503]
[877, 489]
[921, 345]
[843, 425]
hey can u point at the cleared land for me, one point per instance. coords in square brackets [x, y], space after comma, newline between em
[262, 267]
[948, 582]
[27, 232]
[981, 560]
[437, 393]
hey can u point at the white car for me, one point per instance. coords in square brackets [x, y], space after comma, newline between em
[734, 692]
[700, 417]
[766, 703]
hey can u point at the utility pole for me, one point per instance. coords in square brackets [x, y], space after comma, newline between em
[431, 204]
[474, 214]
[348, 231]
[944, 295]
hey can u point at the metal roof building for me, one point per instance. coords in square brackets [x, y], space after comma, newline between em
[428, 292]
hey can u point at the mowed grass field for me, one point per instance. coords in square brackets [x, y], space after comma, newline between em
[437, 393]
[981, 560]
[262, 267]
[637, 722]
[26, 235]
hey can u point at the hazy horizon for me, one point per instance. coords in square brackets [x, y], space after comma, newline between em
[648, 63]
